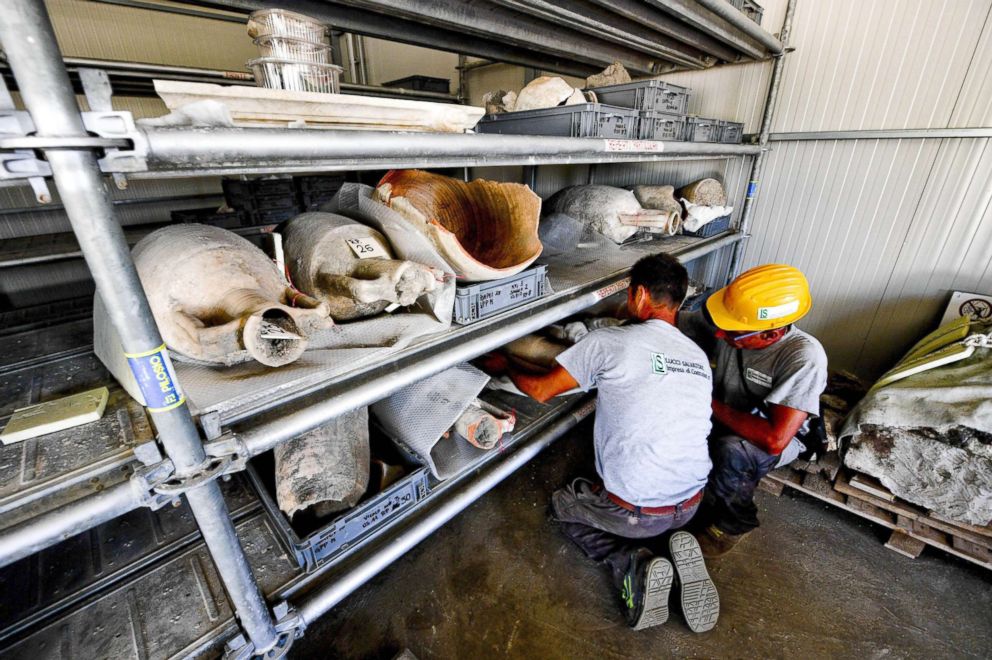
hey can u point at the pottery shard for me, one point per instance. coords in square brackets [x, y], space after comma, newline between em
[543, 92]
[219, 299]
[499, 101]
[485, 230]
[661, 198]
[705, 192]
[323, 263]
[326, 469]
[615, 74]
[483, 425]
[613, 212]
[534, 353]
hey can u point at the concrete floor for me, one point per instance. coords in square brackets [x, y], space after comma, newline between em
[812, 582]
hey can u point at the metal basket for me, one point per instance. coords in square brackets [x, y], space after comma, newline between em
[288, 48]
[276, 73]
[282, 23]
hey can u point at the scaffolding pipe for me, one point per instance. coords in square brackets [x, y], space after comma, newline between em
[759, 162]
[361, 569]
[732, 15]
[28, 38]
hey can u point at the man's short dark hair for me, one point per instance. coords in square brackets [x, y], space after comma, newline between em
[663, 277]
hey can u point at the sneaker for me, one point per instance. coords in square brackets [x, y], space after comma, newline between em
[715, 542]
[644, 592]
[699, 599]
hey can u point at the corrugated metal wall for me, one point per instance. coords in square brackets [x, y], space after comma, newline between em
[885, 229]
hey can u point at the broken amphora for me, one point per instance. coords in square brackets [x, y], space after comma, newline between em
[613, 212]
[218, 299]
[482, 424]
[350, 266]
[484, 229]
[326, 469]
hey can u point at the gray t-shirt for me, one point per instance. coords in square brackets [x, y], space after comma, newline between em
[652, 412]
[791, 372]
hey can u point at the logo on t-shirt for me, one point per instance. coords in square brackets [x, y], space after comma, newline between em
[658, 364]
[756, 376]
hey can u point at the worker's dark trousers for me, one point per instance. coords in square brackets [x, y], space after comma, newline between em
[738, 466]
[605, 531]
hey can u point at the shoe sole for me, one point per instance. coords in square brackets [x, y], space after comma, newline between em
[657, 585]
[700, 601]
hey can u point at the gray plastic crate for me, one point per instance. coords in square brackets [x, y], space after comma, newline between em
[731, 132]
[700, 129]
[594, 120]
[646, 95]
[478, 301]
[363, 521]
[661, 126]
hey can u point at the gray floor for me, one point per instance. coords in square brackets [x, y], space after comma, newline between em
[813, 581]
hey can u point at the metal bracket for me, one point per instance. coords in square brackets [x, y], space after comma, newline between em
[21, 163]
[118, 125]
[229, 446]
[290, 627]
[146, 478]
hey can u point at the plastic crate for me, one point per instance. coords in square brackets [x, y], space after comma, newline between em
[711, 228]
[699, 129]
[731, 132]
[478, 301]
[317, 547]
[259, 194]
[581, 120]
[421, 84]
[273, 216]
[318, 183]
[660, 126]
[209, 216]
[646, 95]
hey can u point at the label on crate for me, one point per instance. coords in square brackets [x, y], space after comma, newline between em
[610, 289]
[497, 298]
[367, 247]
[651, 146]
[156, 378]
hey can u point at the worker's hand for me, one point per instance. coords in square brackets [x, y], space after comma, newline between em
[494, 364]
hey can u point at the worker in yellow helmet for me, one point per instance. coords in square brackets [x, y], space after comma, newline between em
[767, 384]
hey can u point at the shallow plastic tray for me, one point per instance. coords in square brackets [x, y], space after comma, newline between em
[700, 129]
[283, 23]
[649, 95]
[478, 301]
[581, 120]
[277, 73]
[661, 126]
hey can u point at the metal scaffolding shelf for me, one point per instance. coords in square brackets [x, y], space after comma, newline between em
[243, 587]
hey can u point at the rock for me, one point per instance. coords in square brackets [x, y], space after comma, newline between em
[543, 92]
[326, 469]
[322, 263]
[615, 74]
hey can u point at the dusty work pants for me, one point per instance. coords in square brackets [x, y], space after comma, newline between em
[738, 466]
[605, 531]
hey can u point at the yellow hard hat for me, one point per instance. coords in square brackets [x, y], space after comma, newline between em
[763, 298]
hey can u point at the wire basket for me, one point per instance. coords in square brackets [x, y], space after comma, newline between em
[282, 23]
[287, 48]
[276, 73]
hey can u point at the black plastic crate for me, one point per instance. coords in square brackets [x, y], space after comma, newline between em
[421, 84]
[581, 120]
[308, 184]
[646, 95]
[209, 216]
[660, 126]
[731, 132]
[711, 228]
[700, 129]
[273, 216]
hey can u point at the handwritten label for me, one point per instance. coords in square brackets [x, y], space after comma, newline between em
[616, 287]
[649, 146]
[367, 247]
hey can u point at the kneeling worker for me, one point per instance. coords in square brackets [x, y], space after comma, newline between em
[768, 380]
[652, 421]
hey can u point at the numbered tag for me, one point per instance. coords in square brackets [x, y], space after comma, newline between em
[367, 247]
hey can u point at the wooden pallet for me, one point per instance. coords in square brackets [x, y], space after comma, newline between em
[913, 528]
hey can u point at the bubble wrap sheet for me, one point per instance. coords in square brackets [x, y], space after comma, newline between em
[419, 415]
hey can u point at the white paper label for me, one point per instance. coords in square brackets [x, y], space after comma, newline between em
[367, 247]
[777, 312]
[756, 376]
[610, 289]
[649, 146]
